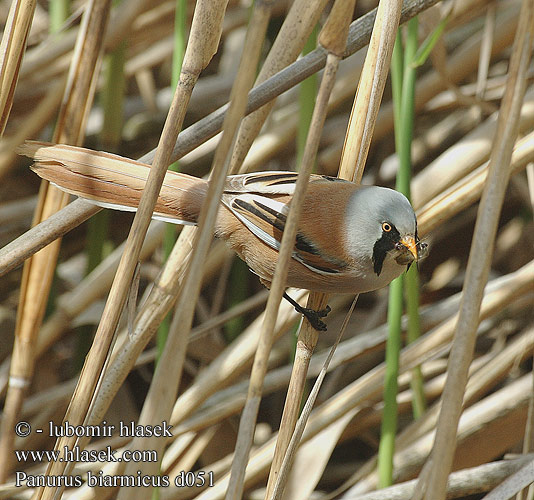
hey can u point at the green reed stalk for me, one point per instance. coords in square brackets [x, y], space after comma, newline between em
[58, 12]
[403, 82]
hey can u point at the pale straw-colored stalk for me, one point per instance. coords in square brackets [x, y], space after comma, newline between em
[39, 270]
[98, 356]
[259, 368]
[333, 38]
[433, 479]
[12, 49]
[161, 395]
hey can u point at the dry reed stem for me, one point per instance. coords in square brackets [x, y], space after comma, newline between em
[12, 49]
[333, 38]
[462, 483]
[485, 52]
[38, 271]
[155, 405]
[159, 302]
[364, 112]
[98, 355]
[256, 32]
[528, 439]
[281, 479]
[370, 385]
[433, 479]
[409, 453]
[358, 138]
[369, 93]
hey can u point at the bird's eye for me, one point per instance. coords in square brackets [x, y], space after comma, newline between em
[386, 227]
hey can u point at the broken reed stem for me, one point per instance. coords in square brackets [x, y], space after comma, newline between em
[370, 90]
[259, 367]
[433, 478]
[302, 17]
[359, 133]
[291, 451]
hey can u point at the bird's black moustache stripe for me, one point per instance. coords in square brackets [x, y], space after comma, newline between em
[383, 245]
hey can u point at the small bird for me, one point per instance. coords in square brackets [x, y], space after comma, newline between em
[350, 239]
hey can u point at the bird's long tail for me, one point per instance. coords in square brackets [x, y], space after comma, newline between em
[112, 181]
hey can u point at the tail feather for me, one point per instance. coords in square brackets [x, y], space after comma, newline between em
[113, 181]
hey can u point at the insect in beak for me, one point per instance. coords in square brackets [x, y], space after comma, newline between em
[410, 249]
[410, 244]
[422, 250]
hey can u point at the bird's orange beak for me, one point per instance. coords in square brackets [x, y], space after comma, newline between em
[409, 243]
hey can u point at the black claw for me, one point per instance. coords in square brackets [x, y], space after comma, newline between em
[311, 315]
[323, 313]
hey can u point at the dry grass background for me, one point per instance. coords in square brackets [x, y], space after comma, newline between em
[202, 383]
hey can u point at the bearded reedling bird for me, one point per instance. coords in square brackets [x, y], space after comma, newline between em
[350, 239]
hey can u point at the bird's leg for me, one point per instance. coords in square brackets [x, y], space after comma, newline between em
[313, 316]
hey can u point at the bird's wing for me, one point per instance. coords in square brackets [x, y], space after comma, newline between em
[261, 203]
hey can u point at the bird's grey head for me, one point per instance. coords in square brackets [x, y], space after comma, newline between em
[381, 222]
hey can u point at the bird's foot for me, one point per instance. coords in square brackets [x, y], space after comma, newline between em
[314, 317]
